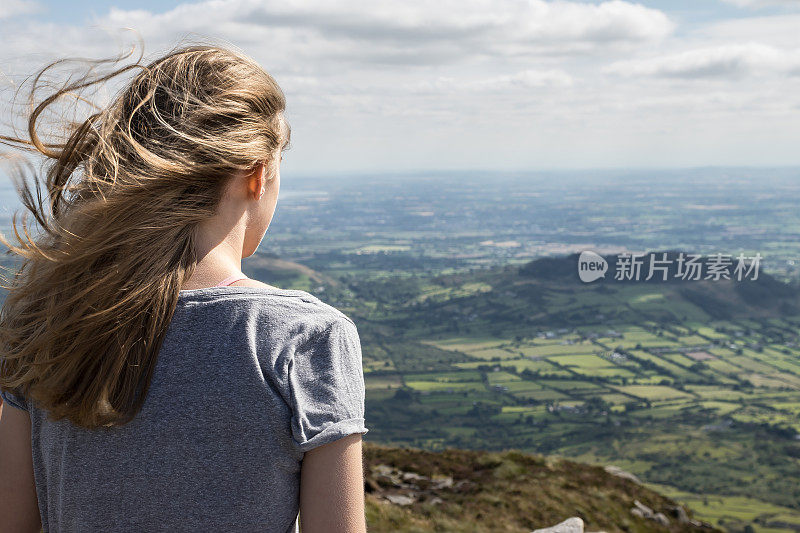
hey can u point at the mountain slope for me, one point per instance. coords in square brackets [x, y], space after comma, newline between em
[409, 489]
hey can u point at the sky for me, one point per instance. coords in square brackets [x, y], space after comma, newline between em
[413, 85]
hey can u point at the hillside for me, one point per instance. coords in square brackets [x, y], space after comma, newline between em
[413, 490]
[691, 385]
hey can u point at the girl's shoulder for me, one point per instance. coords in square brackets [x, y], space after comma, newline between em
[292, 310]
[248, 282]
[309, 302]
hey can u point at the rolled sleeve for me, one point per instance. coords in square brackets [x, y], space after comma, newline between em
[14, 400]
[326, 379]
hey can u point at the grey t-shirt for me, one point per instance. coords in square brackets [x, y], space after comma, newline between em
[247, 380]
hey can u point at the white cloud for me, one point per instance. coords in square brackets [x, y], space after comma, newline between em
[12, 8]
[527, 79]
[725, 61]
[523, 80]
[411, 32]
[775, 30]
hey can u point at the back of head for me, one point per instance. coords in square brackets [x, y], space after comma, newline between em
[89, 305]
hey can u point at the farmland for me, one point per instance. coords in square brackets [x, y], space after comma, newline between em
[705, 409]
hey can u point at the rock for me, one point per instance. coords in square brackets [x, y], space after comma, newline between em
[386, 470]
[700, 523]
[463, 485]
[386, 476]
[662, 519]
[570, 525]
[389, 481]
[646, 511]
[680, 514]
[617, 471]
[442, 483]
[412, 476]
[399, 499]
[642, 511]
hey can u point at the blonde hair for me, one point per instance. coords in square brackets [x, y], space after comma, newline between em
[90, 303]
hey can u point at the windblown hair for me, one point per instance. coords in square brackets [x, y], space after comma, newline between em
[92, 297]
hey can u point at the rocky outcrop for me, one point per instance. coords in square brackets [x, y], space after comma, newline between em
[404, 488]
[678, 514]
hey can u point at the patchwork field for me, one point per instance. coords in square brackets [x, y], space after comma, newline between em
[552, 389]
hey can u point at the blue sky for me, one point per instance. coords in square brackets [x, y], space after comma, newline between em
[690, 11]
[374, 85]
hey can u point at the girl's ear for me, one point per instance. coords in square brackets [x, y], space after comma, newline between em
[257, 180]
[262, 179]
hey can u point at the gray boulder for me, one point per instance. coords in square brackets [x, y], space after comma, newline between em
[399, 499]
[570, 525]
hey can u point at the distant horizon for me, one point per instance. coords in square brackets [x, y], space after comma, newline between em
[287, 176]
[533, 170]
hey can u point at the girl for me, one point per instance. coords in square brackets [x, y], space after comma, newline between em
[149, 385]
